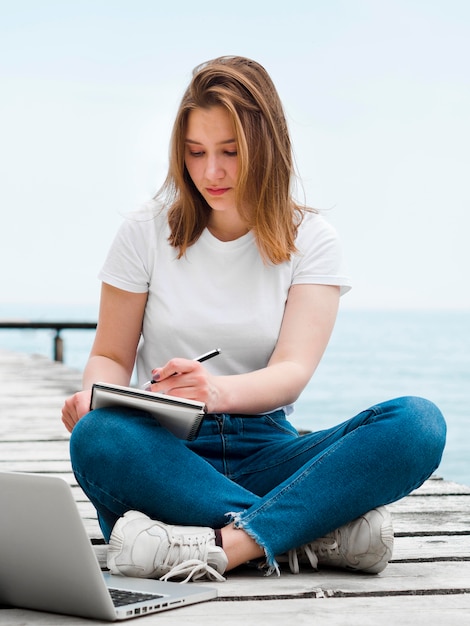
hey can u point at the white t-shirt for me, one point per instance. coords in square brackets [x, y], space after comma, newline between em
[219, 295]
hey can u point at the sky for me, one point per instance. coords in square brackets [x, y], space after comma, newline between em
[377, 97]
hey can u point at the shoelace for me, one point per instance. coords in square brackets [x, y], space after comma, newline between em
[189, 558]
[194, 569]
[326, 546]
[293, 556]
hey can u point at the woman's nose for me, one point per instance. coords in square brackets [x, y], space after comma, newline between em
[214, 168]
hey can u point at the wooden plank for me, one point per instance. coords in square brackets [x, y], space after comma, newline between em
[66, 475]
[51, 466]
[433, 547]
[397, 578]
[438, 486]
[432, 522]
[406, 611]
[86, 509]
[431, 514]
[45, 431]
[34, 451]
[426, 504]
[93, 529]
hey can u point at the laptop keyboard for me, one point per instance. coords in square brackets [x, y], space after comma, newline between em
[121, 597]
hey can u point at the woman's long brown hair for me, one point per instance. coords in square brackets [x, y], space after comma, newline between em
[266, 171]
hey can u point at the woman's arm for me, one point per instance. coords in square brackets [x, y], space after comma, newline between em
[112, 356]
[114, 349]
[308, 321]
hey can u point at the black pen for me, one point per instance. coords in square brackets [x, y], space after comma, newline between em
[203, 357]
[207, 355]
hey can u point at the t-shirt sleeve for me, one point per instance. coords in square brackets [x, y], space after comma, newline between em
[320, 255]
[127, 265]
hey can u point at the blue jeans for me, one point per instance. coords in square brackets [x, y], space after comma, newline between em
[284, 489]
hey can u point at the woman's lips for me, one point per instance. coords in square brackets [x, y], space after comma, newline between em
[219, 191]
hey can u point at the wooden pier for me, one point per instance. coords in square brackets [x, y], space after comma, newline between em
[427, 582]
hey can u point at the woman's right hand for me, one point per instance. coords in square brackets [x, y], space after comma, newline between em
[113, 352]
[75, 408]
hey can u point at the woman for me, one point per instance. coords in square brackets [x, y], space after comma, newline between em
[224, 257]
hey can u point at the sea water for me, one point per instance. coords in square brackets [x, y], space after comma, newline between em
[372, 356]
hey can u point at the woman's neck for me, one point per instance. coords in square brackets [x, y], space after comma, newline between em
[227, 229]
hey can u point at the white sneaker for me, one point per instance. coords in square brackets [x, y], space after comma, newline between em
[145, 548]
[365, 545]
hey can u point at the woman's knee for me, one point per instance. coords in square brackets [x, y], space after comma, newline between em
[424, 416]
[422, 424]
[99, 433]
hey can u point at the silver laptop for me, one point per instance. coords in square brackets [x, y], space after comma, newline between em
[47, 562]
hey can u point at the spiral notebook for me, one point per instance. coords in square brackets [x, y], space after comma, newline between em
[180, 416]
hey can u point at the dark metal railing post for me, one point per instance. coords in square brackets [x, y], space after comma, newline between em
[58, 347]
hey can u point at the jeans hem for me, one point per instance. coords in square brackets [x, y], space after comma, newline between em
[271, 564]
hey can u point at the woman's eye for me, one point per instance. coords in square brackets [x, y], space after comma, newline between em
[201, 153]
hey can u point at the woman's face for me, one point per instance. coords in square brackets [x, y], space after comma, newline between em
[211, 156]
